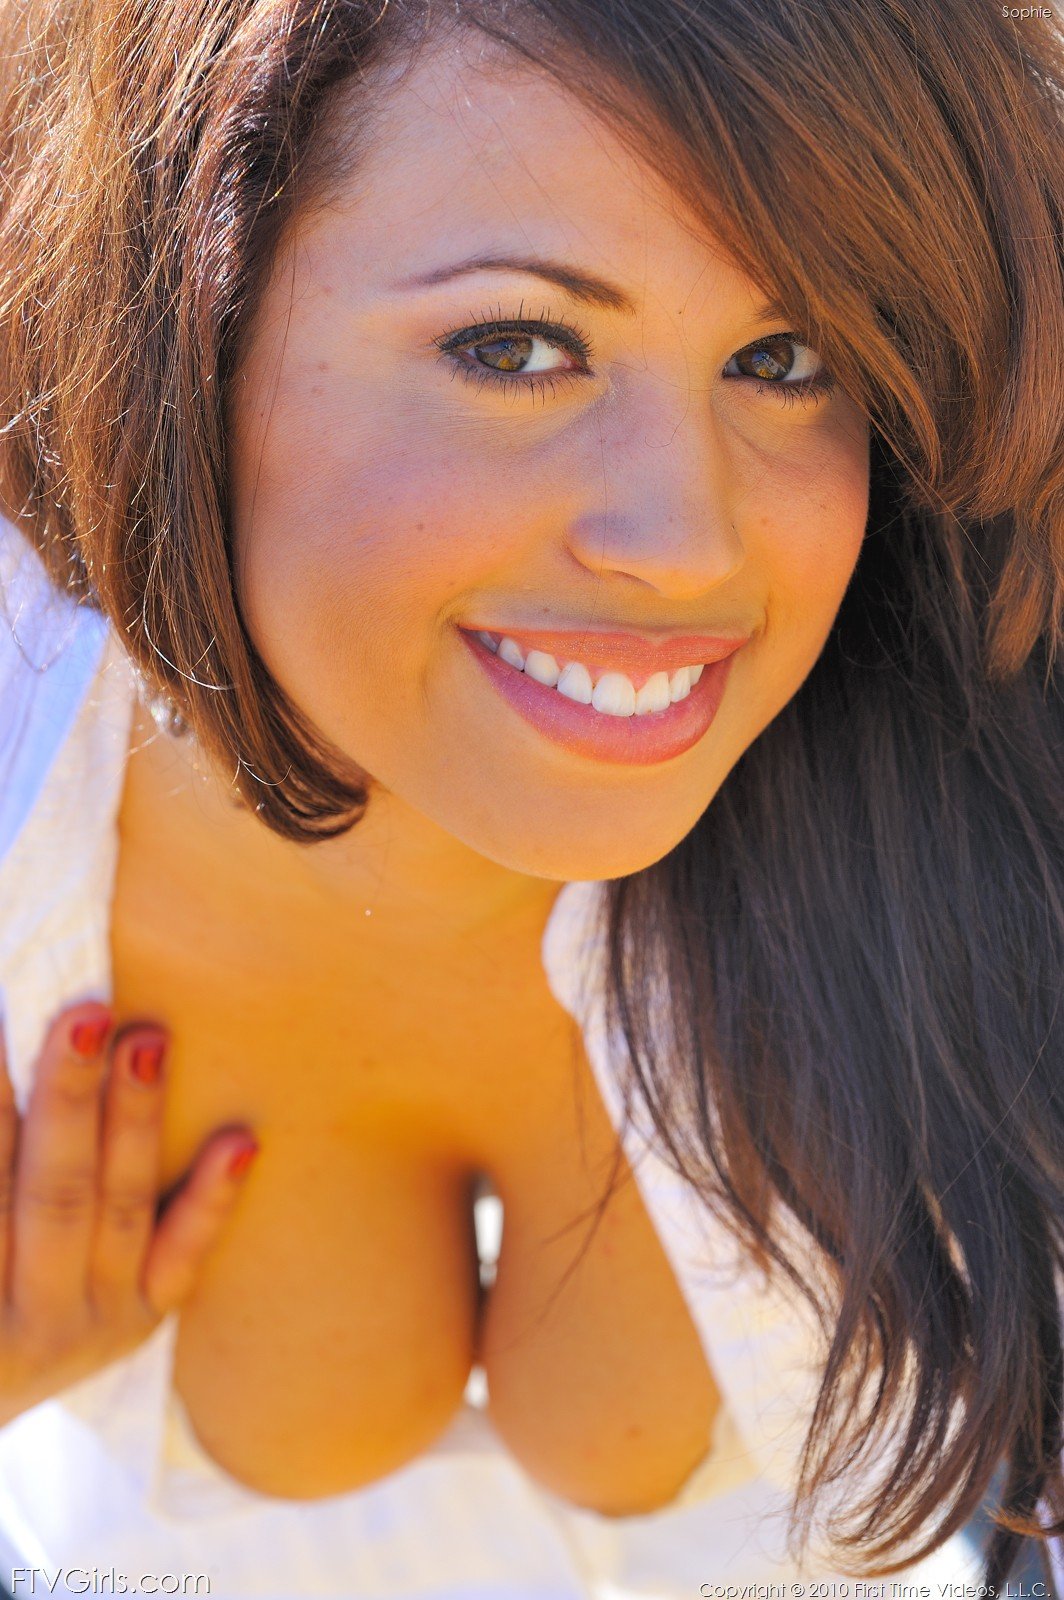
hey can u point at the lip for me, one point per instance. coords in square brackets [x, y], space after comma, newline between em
[639, 655]
[640, 741]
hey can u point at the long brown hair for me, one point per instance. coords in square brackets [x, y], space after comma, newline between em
[864, 933]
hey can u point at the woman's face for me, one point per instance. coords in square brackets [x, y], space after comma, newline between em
[639, 463]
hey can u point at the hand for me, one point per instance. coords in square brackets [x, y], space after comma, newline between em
[87, 1267]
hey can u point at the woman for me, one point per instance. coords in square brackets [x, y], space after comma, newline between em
[583, 482]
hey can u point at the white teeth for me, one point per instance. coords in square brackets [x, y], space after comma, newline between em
[680, 684]
[654, 695]
[542, 667]
[511, 652]
[575, 683]
[614, 695]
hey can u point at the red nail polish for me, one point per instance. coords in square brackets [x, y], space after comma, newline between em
[87, 1037]
[146, 1061]
[242, 1160]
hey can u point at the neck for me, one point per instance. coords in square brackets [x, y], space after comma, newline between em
[396, 880]
[408, 881]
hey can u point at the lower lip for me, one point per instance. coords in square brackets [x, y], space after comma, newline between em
[636, 741]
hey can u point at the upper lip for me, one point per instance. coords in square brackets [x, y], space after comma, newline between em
[641, 652]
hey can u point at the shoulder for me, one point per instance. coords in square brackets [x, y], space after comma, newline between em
[50, 648]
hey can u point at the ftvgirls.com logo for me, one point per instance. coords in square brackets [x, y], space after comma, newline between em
[28, 1581]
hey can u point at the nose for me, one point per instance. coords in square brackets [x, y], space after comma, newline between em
[659, 499]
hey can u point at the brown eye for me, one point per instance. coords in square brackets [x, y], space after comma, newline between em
[770, 359]
[781, 365]
[516, 351]
[505, 355]
[529, 354]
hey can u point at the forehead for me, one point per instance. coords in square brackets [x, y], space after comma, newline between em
[470, 150]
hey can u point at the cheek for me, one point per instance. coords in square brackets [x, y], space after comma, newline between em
[357, 539]
[806, 529]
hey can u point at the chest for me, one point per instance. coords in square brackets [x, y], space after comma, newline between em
[332, 1332]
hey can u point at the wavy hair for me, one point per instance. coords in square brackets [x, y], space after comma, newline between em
[864, 933]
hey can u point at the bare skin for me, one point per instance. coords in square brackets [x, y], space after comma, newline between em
[374, 1117]
[379, 500]
[87, 1267]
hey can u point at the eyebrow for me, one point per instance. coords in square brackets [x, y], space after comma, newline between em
[585, 287]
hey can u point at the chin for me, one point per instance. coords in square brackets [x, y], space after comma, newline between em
[575, 858]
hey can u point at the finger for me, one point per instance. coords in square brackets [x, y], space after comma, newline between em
[8, 1146]
[130, 1158]
[194, 1218]
[57, 1166]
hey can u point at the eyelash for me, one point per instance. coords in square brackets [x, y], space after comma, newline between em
[557, 331]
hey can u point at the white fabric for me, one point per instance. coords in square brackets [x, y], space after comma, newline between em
[109, 1474]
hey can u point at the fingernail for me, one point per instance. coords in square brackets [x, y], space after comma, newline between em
[87, 1037]
[242, 1160]
[146, 1061]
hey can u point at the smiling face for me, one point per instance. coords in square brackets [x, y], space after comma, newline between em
[420, 452]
